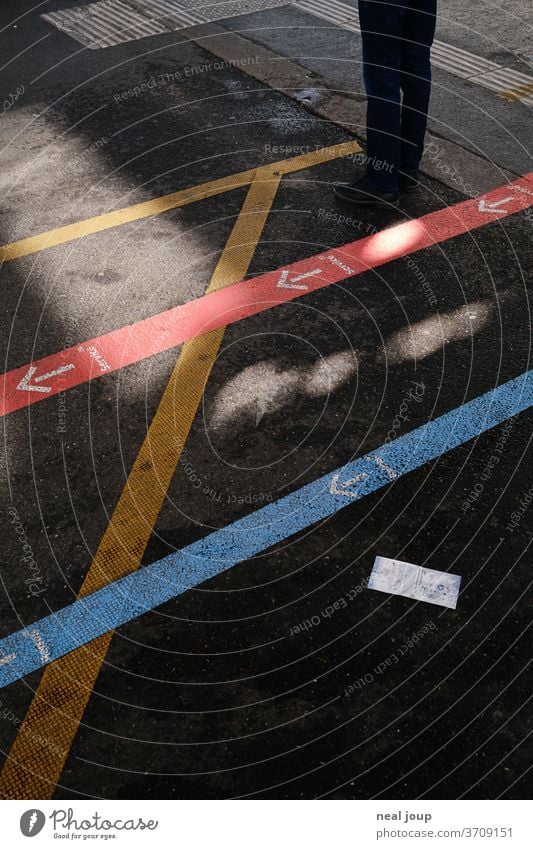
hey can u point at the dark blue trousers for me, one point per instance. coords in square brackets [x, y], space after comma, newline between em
[397, 36]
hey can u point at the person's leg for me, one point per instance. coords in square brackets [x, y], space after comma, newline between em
[382, 27]
[419, 30]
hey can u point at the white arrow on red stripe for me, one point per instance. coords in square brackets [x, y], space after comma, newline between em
[26, 386]
[285, 283]
[494, 206]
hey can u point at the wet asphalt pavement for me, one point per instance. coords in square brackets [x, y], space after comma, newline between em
[261, 682]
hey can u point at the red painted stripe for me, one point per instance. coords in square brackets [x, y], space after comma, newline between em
[143, 339]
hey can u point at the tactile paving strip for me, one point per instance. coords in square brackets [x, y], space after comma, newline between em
[104, 24]
[216, 11]
[111, 22]
[509, 83]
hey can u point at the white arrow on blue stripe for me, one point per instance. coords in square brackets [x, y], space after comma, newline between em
[149, 587]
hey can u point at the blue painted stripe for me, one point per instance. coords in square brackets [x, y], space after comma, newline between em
[142, 591]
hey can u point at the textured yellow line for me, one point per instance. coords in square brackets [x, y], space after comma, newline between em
[43, 743]
[80, 229]
[44, 740]
[108, 220]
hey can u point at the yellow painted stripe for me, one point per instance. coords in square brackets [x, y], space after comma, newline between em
[38, 754]
[43, 743]
[156, 206]
[108, 220]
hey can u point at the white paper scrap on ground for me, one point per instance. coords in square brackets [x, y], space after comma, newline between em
[406, 579]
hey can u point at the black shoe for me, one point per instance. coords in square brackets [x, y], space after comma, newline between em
[409, 182]
[360, 194]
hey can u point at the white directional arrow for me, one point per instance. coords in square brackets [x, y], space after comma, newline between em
[285, 283]
[344, 488]
[7, 659]
[391, 473]
[494, 206]
[26, 386]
